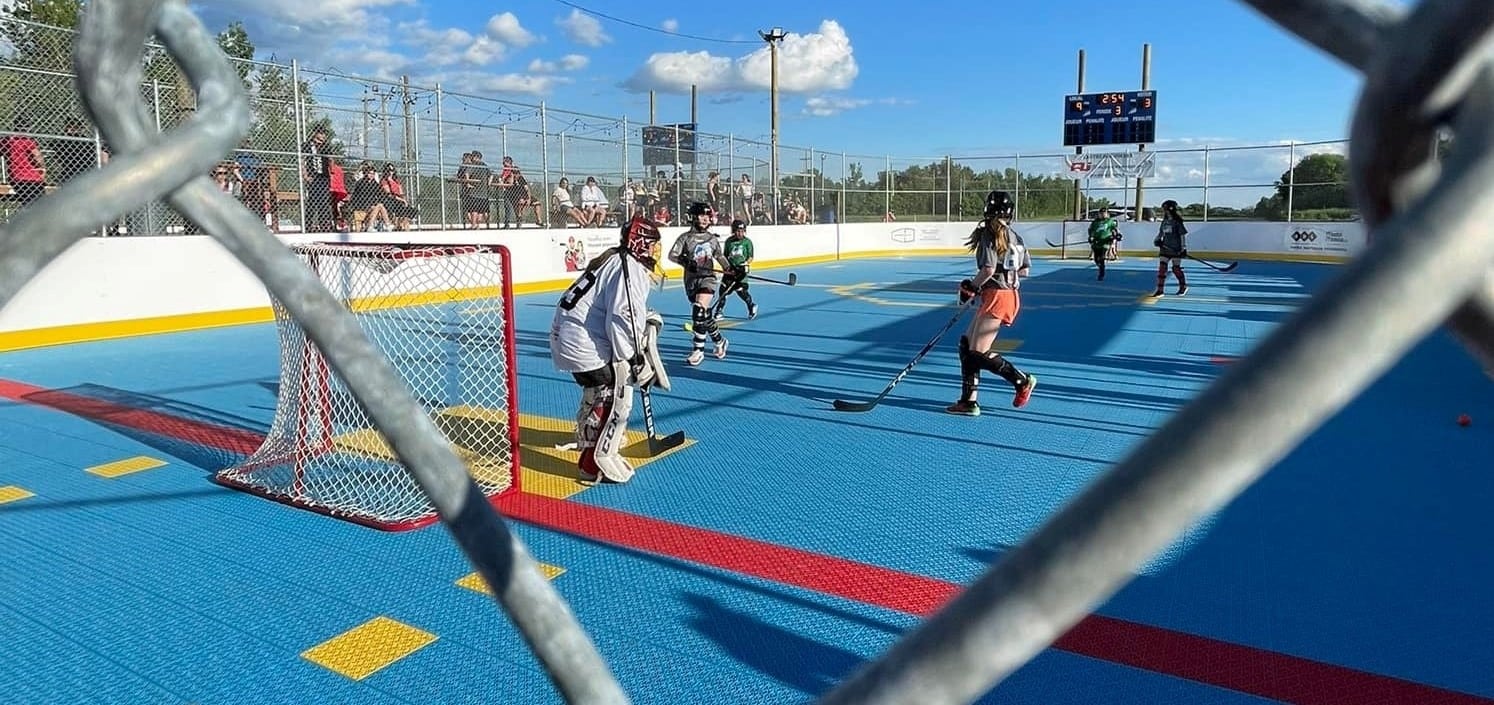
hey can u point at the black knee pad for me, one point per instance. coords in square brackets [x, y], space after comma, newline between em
[701, 319]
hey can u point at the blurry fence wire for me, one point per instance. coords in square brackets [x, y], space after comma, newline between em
[423, 131]
[1425, 218]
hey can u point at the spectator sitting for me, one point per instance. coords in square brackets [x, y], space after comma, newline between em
[594, 202]
[561, 205]
[366, 201]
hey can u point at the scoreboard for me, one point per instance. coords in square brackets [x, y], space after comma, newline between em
[1126, 117]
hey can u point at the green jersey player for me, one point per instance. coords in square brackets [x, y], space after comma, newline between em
[739, 258]
[1104, 232]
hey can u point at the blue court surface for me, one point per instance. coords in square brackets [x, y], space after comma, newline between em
[787, 543]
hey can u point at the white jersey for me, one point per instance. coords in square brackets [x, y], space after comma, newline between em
[600, 317]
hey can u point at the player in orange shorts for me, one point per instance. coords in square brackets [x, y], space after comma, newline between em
[1002, 260]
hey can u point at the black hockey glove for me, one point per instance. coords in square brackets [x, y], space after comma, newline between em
[967, 291]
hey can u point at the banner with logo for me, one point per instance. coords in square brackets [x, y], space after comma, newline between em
[1329, 240]
[1111, 165]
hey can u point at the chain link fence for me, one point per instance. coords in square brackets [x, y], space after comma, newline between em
[424, 134]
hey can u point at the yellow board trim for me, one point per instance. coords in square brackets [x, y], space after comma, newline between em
[137, 327]
[127, 466]
[475, 582]
[11, 493]
[368, 648]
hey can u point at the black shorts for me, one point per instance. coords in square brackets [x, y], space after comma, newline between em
[476, 204]
[600, 377]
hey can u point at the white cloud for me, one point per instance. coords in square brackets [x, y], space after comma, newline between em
[304, 29]
[807, 63]
[569, 62]
[670, 25]
[452, 45]
[825, 106]
[506, 28]
[584, 29]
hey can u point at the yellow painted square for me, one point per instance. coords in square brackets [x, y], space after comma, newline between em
[549, 471]
[474, 581]
[365, 649]
[127, 466]
[11, 493]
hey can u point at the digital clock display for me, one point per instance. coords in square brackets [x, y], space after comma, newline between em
[1124, 117]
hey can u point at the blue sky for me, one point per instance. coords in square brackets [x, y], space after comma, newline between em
[926, 78]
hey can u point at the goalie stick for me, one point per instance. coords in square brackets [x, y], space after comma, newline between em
[1216, 267]
[843, 405]
[1065, 244]
[657, 445]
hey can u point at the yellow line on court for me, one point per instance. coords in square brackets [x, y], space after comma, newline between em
[125, 467]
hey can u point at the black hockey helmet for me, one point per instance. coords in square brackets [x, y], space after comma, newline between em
[698, 208]
[738, 224]
[999, 204]
[1169, 205]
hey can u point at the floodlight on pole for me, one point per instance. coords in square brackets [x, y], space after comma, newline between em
[773, 37]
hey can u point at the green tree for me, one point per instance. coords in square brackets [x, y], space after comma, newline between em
[1317, 181]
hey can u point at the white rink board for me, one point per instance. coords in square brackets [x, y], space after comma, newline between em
[131, 278]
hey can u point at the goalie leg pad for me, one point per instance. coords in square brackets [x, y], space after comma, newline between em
[653, 374]
[603, 431]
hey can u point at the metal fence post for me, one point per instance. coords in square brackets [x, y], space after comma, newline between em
[1206, 184]
[1017, 188]
[1291, 178]
[888, 184]
[845, 169]
[545, 161]
[441, 155]
[948, 177]
[300, 119]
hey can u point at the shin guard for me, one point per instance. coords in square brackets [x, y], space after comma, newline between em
[969, 371]
[993, 361]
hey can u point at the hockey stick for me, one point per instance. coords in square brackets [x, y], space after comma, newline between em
[792, 279]
[657, 445]
[1065, 244]
[1218, 268]
[843, 405]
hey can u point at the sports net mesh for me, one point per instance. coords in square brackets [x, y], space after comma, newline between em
[441, 315]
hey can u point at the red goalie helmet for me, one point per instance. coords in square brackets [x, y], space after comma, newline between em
[640, 238]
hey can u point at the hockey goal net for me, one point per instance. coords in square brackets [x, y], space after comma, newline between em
[442, 314]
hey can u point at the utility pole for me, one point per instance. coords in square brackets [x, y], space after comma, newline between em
[1146, 85]
[773, 37]
[363, 137]
[1079, 205]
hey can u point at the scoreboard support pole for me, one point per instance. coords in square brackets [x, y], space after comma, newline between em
[1146, 85]
[1078, 150]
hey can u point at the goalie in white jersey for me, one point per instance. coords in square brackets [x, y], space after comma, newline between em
[604, 334]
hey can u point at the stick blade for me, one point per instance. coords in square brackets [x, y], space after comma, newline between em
[793, 279]
[1230, 267]
[658, 446]
[843, 405]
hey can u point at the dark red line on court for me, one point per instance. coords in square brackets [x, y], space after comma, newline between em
[1222, 664]
[207, 435]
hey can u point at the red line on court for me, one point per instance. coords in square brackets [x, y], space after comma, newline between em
[209, 435]
[1222, 664]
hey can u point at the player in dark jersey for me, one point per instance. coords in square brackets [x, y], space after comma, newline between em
[1001, 259]
[739, 256]
[1172, 247]
[698, 251]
